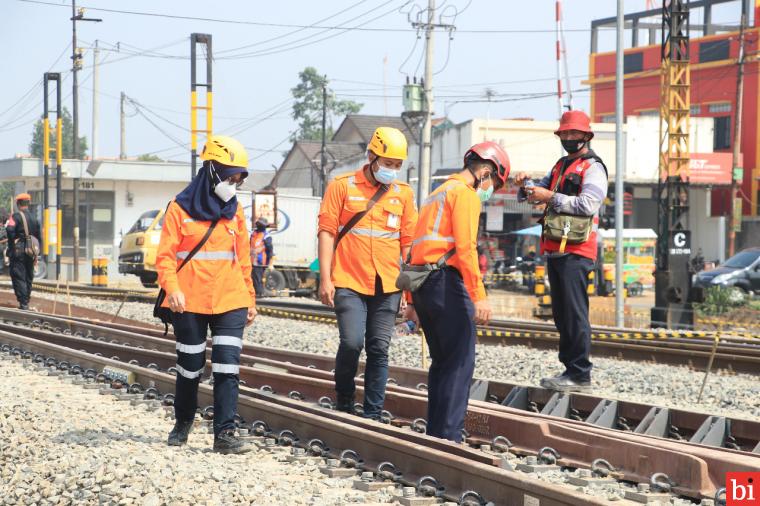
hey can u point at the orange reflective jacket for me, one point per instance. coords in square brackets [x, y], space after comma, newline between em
[218, 277]
[373, 246]
[449, 219]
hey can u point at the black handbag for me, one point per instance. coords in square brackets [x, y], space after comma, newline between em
[164, 313]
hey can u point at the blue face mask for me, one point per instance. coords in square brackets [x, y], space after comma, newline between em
[385, 175]
[484, 195]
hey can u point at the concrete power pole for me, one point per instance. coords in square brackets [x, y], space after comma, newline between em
[95, 104]
[122, 129]
[737, 172]
[619, 169]
[427, 128]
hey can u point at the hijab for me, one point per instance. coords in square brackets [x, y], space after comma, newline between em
[198, 198]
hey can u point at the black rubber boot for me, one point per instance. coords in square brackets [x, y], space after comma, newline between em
[228, 443]
[178, 435]
[345, 404]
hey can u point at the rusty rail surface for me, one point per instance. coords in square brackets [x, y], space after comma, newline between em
[683, 424]
[428, 457]
[697, 470]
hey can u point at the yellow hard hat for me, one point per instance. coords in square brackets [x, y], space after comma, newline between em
[389, 143]
[225, 150]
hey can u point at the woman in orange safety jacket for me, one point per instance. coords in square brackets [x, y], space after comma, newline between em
[214, 290]
[453, 299]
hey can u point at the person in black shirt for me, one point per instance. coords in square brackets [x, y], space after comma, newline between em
[23, 232]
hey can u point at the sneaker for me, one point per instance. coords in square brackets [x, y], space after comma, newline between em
[178, 435]
[24, 307]
[228, 443]
[566, 384]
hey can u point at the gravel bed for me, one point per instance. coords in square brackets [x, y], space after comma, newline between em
[61, 444]
[736, 395]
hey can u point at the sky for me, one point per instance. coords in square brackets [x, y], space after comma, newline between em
[504, 45]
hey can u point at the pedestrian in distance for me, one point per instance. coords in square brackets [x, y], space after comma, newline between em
[204, 266]
[262, 253]
[451, 299]
[24, 238]
[365, 227]
[572, 193]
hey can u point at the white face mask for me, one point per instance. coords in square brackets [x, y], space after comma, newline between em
[225, 190]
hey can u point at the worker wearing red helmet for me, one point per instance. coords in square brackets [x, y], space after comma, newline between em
[452, 300]
[576, 186]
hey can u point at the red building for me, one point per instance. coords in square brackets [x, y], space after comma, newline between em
[714, 53]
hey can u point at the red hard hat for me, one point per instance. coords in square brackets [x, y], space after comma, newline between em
[493, 153]
[575, 120]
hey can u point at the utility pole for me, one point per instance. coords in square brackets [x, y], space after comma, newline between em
[619, 168]
[76, 57]
[95, 104]
[195, 39]
[738, 174]
[323, 153]
[423, 183]
[122, 128]
[427, 129]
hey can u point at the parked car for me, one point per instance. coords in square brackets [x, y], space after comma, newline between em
[741, 270]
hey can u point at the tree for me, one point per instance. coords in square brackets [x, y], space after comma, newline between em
[36, 148]
[307, 109]
[149, 158]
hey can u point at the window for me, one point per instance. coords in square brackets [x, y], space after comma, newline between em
[720, 107]
[649, 112]
[695, 109]
[633, 62]
[713, 50]
[608, 118]
[143, 222]
[722, 136]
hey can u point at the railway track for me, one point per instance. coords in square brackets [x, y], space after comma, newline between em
[729, 351]
[694, 470]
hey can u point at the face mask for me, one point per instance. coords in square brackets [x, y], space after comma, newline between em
[484, 195]
[385, 175]
[225, 190]
[573, 146]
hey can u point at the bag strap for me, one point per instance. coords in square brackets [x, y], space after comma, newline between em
[358, 216]
[26, 225]
[199, 245]
[441, 263]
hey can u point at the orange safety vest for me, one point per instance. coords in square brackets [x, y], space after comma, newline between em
[218, 277]
[449, 219]
[585, 249]
[373, 246]
[258, 250]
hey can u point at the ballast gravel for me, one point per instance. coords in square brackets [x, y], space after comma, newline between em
[61, 444]
[735, 395]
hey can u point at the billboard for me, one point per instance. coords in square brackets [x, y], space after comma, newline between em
[710, 168]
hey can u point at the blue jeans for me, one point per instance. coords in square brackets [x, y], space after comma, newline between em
[191, 330]
[370, 319]
[446, 315]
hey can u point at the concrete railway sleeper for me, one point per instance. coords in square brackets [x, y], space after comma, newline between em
[356, 446]
[696, 469]
[677, 424]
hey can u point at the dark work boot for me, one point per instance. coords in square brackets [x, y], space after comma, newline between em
[178, 435]
[345, 403]
[227, 442]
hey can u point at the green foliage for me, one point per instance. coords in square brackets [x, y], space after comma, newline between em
[6, 198]
[36, 148]
[720, 300]
[307, 109]
[149, 158]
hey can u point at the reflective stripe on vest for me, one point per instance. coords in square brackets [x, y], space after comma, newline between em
[378, 234]
[440, 199]
[207, 255]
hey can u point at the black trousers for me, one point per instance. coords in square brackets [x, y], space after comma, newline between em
[446, 315]
[568, 276]
[22, 275]
[258, 279]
